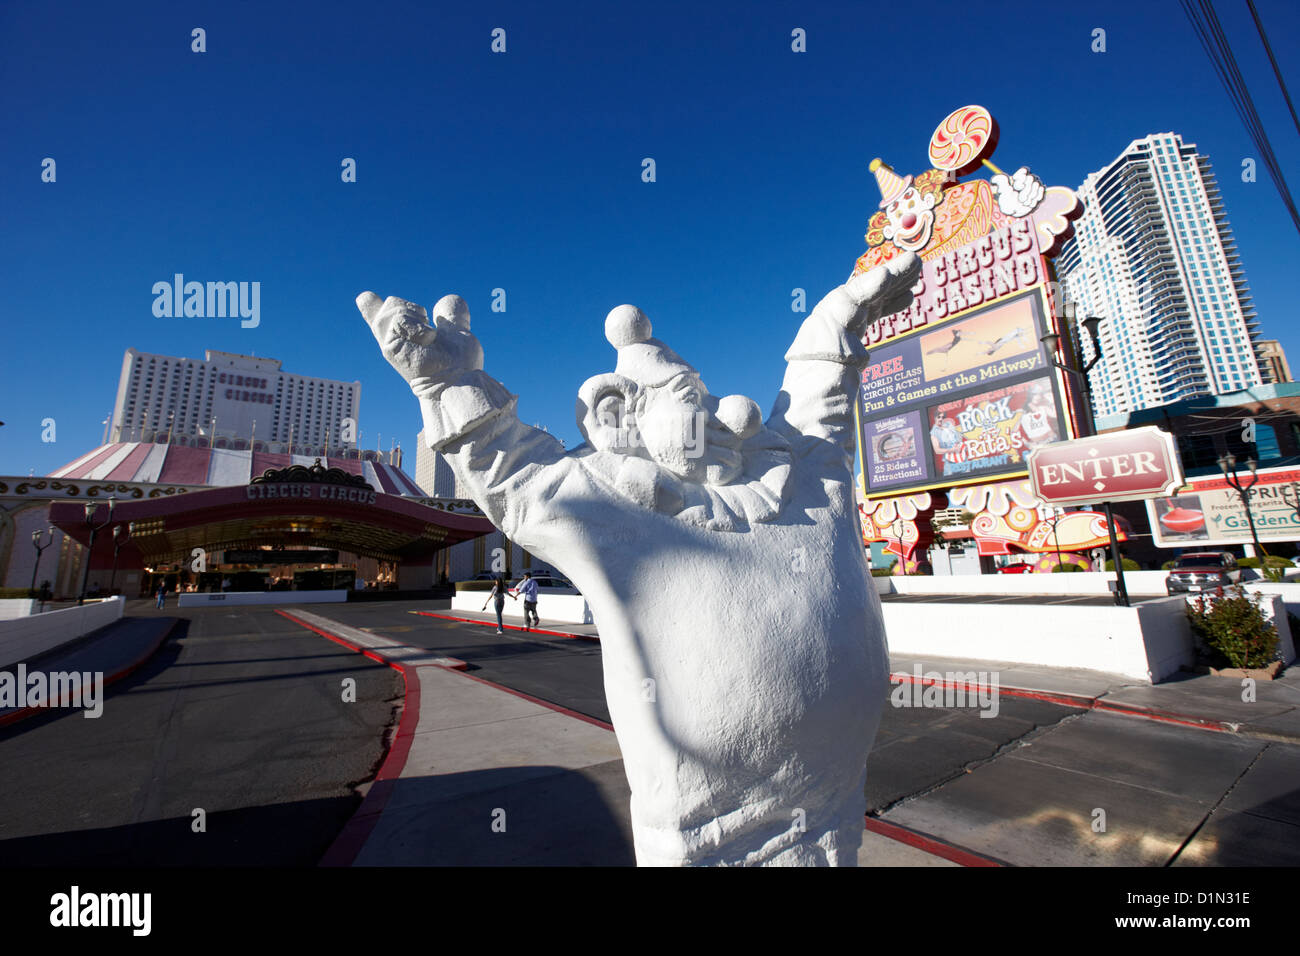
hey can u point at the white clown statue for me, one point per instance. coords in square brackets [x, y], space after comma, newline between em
[744, 653]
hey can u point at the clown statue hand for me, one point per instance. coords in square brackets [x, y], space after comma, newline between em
[423, 354]
[720, 556]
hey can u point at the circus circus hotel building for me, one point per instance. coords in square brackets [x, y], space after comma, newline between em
[228, 474]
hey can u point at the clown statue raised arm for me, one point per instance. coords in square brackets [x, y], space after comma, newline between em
[744, 654]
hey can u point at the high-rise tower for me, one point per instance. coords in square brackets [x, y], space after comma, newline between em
[1153, 255]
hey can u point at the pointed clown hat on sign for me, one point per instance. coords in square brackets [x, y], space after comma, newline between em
[892, 186]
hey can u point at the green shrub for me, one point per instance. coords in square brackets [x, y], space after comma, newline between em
[1168, 565]
[881, 572]
[1067, 567]
[1129, 565]
[1234, 627]
[17, 593]
[1274, 568]
[1273, 562]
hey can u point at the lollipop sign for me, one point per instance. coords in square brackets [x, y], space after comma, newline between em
[962, 140]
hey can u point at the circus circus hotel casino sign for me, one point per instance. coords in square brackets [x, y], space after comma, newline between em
[959, 388]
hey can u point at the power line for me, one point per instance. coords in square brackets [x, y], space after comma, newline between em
[1210, 33]
[1273, 60]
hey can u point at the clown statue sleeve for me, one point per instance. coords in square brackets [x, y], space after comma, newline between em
[510, 469]
[824, 365]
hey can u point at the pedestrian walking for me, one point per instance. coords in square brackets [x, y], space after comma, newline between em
[528, 588]
[498, 594]
[162, 593]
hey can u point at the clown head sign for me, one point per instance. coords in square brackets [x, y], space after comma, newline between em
[934, 213]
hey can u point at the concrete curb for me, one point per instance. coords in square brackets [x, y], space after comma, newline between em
[928, 844]
[1086, 702]
[109, 679]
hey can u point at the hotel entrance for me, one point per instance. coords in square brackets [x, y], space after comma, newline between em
[291, 530]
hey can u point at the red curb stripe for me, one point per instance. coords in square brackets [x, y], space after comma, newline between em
[1072, 700]
[113, 678]
[927, 844]
[1198, 723]
[347, 845]
[512, 627]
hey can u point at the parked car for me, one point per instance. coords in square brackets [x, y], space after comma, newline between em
[1202, 571]
[1017, 568]
[549, 584]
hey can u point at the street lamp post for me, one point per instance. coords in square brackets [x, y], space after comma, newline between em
[1293, 499]
[1079, 371]
[91, 508]
[119, 539]
[36, 540]
[1228, 464]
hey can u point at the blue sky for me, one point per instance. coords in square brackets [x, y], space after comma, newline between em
[522, 171]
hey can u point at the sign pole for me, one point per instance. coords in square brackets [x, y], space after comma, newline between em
[1121, 590]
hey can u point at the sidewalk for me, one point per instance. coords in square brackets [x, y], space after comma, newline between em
[1197, 700]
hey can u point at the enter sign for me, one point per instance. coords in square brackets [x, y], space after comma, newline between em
[1119, 466]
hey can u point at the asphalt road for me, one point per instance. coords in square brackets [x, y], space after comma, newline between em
[557, 669]
[240, 715]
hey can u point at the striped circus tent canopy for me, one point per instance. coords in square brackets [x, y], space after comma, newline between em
[184, 464]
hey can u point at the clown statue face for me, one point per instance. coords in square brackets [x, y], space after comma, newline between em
[909, 213]
[656, 407]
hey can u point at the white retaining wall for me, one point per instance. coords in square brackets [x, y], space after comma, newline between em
[11, 608]
[1081, 582]
[23, 638]
[1147, 642]
[1139, 583]
[558, 608]
[228, 598]
[1144, 643]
